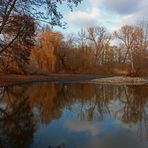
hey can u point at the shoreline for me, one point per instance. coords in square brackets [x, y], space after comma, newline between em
[13, 79]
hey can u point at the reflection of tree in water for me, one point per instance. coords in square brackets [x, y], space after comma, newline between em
[135, 101]
[94, 102]
[44, 99]
[49, 100]
[97, 106]
[16, 119]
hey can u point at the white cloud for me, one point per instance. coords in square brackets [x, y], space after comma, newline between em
[84, 18]
[134, 18]
[94, 3]
[111, 14]
[124, 12]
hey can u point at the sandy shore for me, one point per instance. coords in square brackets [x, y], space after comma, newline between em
[121, 80]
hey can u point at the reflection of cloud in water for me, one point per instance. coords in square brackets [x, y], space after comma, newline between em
[82, 126]
[108, 137]
[120, 139]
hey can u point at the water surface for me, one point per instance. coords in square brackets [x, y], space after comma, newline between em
[48, 115]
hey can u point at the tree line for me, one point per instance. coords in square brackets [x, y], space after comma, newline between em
[92, 50]
[27, 48]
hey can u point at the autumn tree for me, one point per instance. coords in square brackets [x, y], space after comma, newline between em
[18, 38]
[99, 39]
[39, 10]
[66, 54]
[75, 56]
[133, 39]
[33, 8]
[62, 57]
[45, 54]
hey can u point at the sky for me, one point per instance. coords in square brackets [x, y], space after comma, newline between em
[112, 14]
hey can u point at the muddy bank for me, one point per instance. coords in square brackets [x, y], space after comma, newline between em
[12, 79]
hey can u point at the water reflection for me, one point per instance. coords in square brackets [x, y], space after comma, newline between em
[16, 118]
[74, 115]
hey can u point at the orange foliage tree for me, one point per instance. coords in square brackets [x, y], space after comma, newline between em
[45, 53]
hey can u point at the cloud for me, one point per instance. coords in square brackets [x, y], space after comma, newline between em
[94, 3]
[135, 18]
[84, 18]
[120, 6]
[123, 6]
[111, 14]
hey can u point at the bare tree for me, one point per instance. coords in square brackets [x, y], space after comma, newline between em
[134, 41]
[99, 39]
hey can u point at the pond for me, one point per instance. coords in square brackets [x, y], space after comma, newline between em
[50, 115]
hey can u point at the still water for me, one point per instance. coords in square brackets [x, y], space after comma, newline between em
[44, 115]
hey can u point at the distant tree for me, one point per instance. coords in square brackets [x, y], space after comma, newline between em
[48, 42]
[82, 38]
[99, 39]
[62, 56]
[134, 42]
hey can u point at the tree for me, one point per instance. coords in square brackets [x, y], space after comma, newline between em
[134, 42]
[45, 53]
[49, 13]
[99, 40]
[39, 10]
[62, 56]
[18, 38]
